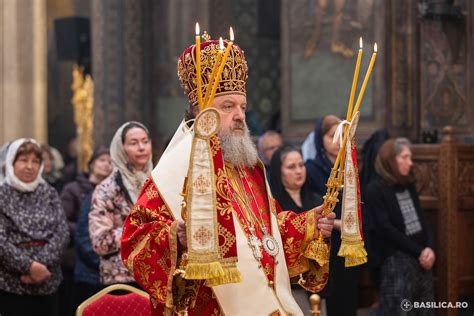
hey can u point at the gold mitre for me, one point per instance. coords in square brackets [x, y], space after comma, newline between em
[233, 78]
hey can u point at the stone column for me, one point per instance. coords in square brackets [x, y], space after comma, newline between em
[135, 45]
[117, 65]
[22, 70]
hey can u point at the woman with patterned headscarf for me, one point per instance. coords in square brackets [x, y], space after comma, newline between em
[33, 235]
[114, 197]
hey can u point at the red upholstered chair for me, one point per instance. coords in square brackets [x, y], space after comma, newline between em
[135, 303]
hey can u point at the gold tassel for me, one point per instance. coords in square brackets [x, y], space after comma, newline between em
[356, 250]
[231, 275]
[354, 253]
[318, 250]
[202, 271]
[352, 262]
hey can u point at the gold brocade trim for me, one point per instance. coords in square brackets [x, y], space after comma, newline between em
[138, 247]
[296, 262]
[173, 243]
[222, 189]
[316, 278]
[233, 77]
[203, 271]
[163, 200]
[150, 193]
[352, 262]
[310, 232]
[231, 275]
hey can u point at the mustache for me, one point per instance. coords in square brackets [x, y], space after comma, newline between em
[238, 125]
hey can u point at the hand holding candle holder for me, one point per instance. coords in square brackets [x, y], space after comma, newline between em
[318, 249]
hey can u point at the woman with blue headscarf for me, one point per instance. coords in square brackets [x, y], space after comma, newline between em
[342, 283]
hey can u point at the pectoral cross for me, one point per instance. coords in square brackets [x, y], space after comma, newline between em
[255, 244]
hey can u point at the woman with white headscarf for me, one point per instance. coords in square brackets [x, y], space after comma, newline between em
[114, 197]
[33, 235]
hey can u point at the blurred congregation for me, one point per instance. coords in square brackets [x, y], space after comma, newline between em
[89, 101]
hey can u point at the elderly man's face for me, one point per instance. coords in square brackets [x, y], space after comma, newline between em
[270, 145]
[232, 111]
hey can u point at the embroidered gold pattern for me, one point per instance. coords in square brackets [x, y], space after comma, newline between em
[299, 223]
[164, 261]
[151, 192]
[350, 175]
[292, 249]
[349, 220]
[207, 124]
[234, 75]
[268, 269]
[159, 290]
[202, 235]
[215, 145]
[229, 240]
[202, 184]
[222, 190]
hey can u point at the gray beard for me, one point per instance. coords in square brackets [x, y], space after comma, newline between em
[239, 149]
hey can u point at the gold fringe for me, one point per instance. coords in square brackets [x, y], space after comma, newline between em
[354, 253]
[202, 271]
[352, 262]
[231, 275]
[355, 250]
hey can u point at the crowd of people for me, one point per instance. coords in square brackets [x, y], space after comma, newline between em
[64, 235]
[60, 242]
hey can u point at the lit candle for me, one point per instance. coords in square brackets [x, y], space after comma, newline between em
[221, 67]
[366, 79]
[210, 83]
[354, 82]
[198, 67]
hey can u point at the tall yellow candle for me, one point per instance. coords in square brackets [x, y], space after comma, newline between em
[217, 62]
[221, 67]
[366, 79]
[354, 82]
[341, 154]
[198, 68]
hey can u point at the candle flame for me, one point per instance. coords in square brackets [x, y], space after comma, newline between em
[197, 29]
[360, 42]
[375, 47]
[231, 34]
[221, 43]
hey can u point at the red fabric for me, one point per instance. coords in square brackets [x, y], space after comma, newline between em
[147, 248]
[356, 169]
[119, 305]
[224, 213]
[260, 208]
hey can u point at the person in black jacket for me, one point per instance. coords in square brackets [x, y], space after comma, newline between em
[405, 245]
[72, 196]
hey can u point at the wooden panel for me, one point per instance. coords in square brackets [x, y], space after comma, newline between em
[466, 249]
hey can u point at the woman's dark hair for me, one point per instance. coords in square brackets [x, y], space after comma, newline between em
[29, 148]
[285, 150]
[131, 125]
[328, 122]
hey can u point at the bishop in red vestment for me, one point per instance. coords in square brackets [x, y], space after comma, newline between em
[262, 241]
